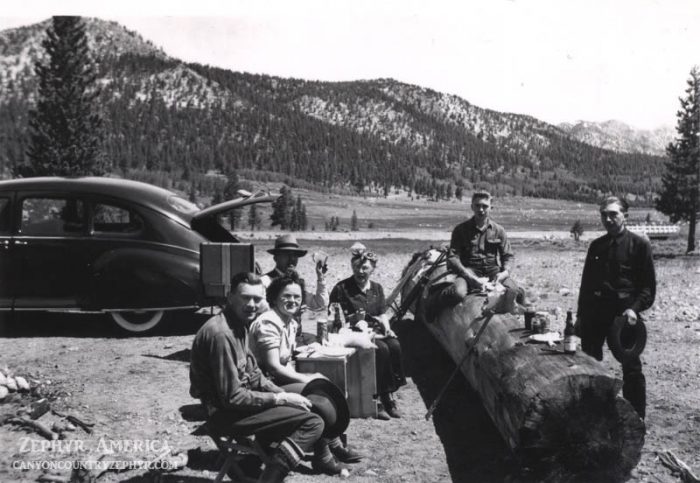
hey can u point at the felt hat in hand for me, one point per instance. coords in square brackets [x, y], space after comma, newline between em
[626, 340]
[328, 402]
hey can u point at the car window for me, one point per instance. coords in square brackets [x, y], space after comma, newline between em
[115, 219]
[52, 216]
[4, 215]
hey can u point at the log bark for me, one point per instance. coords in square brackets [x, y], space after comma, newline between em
[559, 413]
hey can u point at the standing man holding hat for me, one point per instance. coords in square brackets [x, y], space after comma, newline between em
[286, 254]
[618, 283]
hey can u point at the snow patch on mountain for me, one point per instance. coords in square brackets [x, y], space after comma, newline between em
[618, 136]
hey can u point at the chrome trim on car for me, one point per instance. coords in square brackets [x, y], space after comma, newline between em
[151, 309]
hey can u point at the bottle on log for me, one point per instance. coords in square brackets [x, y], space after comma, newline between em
[559, 413]
[569, 334]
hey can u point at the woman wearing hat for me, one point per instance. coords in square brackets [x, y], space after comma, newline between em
[363, 303]
[272, 341]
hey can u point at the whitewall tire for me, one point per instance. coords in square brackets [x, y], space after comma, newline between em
[137, 321]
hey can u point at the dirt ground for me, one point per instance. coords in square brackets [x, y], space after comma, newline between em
[135, 389]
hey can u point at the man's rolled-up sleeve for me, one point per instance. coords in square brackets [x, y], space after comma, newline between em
[505, 252]
[320, 299]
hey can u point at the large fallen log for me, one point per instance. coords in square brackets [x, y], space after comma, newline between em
[556, 411]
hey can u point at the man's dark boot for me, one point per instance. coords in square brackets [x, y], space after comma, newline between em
[250, 465]
[344, 454]
[275, 471]
[381, 413]
[323, 460]
[390, 405]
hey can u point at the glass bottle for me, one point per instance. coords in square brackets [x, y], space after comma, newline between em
[569, 336]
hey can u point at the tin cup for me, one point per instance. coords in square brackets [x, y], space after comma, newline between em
[322, 331]
[542, 319]
[529, 315]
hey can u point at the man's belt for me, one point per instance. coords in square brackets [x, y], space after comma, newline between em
[612, 295]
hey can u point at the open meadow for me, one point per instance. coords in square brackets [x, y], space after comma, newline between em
[136, 388]
[401, 214]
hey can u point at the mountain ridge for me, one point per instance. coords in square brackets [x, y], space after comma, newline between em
[372, 135]
[619, 136]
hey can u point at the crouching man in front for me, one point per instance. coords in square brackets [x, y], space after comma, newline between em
[240, 401]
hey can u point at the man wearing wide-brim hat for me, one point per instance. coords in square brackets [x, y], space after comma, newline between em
[286, 254]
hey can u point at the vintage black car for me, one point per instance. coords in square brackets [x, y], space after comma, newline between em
[104, 245]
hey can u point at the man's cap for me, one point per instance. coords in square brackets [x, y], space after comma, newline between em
[626, 340]
[287, 243]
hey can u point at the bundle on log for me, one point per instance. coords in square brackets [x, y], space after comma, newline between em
[555, 411]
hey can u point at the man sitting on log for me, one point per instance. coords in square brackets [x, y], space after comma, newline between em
[480, 253]
[618, 280]
[239, 399]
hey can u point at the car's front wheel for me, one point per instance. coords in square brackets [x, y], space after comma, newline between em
[137, 321]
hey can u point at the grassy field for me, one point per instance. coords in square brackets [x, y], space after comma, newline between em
[400, 213]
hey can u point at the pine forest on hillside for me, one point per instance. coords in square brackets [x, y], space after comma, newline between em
[170, 123]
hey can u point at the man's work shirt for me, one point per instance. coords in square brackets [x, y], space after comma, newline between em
[485, 250]
[223, 371]
[618, 273]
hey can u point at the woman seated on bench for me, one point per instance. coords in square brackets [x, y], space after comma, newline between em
[272, 341]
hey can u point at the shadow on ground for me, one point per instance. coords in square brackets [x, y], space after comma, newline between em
[39, 324]
[473, 447]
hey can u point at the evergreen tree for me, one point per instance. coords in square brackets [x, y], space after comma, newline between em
[65, 127]
[254, 220]
[293, 218]
[233, 184]
[282, 209]
[296, 214]
[680, 192]
[304, 220]
[354, 225]
[576, 230]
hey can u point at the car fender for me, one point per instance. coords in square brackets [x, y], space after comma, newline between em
[141, 278]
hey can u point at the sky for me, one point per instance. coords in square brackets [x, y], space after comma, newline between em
[557, 60]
